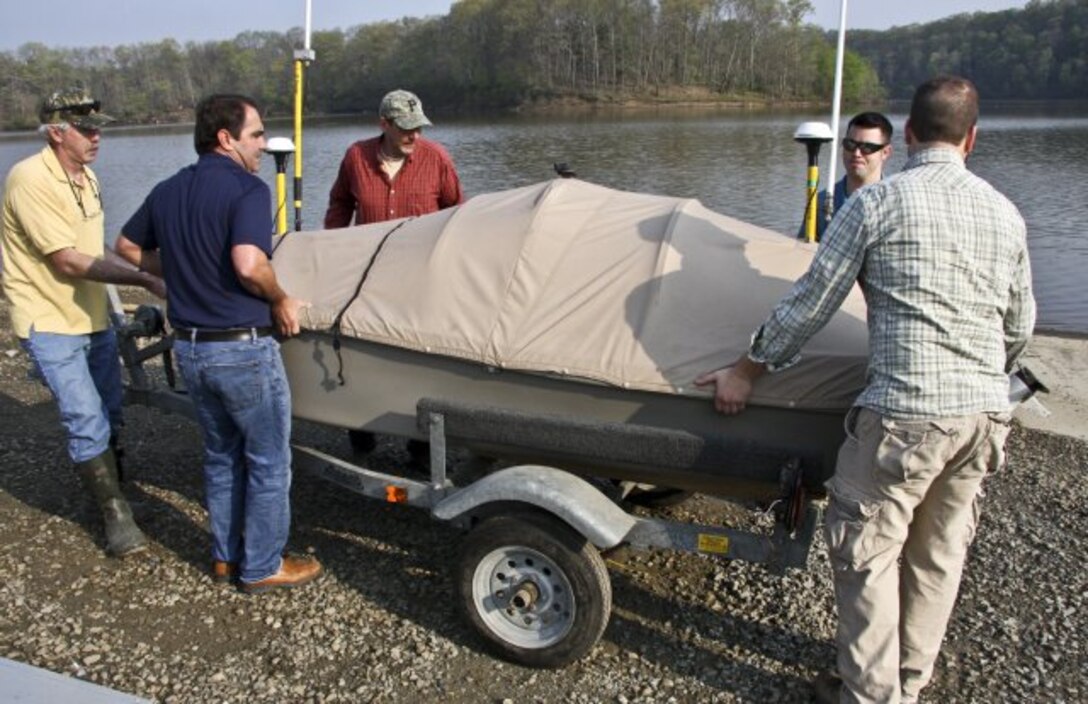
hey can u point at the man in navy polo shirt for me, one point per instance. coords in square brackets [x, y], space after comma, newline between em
[208, 230]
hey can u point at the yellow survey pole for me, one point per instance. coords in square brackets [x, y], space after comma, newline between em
[281, 200]
[813, 135]
[303, 58]
[280, 148]
[812, 187]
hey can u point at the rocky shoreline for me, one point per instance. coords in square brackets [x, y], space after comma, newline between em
[382, 625]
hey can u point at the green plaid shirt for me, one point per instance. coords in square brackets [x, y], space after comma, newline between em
[942, 260]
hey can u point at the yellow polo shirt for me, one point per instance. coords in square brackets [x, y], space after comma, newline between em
[42, 216]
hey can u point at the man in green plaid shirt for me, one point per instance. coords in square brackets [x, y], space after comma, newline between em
[942, 260]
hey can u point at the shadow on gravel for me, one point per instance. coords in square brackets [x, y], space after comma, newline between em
[710, 641]
[36, 471]
[35, 468]
[404, 562]
[394, 556]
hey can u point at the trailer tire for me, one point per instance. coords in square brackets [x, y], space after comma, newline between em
[536, 590]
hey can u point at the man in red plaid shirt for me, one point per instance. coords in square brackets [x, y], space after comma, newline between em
[396, 174]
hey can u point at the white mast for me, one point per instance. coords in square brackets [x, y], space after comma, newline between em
[835, 103]
[309, 23]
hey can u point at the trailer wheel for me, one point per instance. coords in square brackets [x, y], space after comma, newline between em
[536, 590]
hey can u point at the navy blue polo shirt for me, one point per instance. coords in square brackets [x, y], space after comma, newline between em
[194, 218]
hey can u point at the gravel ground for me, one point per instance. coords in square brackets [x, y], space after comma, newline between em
[383, 626]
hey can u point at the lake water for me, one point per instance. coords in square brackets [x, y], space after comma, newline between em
[742, 164]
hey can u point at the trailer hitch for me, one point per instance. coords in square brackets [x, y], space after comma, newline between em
[146, 322]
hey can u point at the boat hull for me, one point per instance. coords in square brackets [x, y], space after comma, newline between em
[592, 429]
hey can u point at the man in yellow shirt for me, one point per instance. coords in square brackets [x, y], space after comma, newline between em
[55, 267]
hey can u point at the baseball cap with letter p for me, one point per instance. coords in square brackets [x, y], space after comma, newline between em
[404, 109]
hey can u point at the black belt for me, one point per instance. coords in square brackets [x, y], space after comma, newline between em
[227, 335]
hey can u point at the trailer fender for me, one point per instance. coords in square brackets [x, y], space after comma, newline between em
[562, 494]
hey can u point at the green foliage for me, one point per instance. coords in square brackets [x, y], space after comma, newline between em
[484, 53]
[860, 83]
[503, 53]
[1035, 53]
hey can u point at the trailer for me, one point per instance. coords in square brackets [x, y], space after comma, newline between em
[554, 330]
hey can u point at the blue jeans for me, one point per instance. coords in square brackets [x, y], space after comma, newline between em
[243, 404]
[84, 374]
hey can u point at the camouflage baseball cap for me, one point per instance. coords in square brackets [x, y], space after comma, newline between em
[403, 109]
[74, 106]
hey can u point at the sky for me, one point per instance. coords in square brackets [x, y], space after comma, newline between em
[77, 23]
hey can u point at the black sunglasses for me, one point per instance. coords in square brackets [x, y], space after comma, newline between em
[82, 110]
[866, 148]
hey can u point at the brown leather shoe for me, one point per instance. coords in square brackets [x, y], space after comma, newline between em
[223, 572]
[294, 572]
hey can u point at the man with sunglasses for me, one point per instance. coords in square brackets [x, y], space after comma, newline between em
[942, 260]
[55, 268]
[394, 175]
[865, 149]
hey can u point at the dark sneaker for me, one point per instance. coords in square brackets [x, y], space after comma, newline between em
[828, 686]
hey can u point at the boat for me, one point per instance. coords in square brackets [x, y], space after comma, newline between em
[562, 324]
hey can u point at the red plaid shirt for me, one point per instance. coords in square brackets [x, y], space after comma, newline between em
[427, 182]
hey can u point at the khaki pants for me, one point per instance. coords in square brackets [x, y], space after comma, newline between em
[902, 512]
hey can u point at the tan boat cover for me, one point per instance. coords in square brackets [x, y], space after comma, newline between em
[573, 279]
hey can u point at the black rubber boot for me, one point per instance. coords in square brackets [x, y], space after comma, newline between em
[99, 477]
[118, 457]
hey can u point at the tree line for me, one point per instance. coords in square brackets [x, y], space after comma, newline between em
[487, 54]
[483, 54]
[1037, 53]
